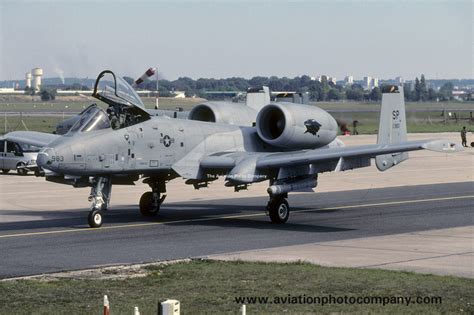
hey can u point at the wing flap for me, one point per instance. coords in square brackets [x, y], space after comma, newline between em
[352, 157]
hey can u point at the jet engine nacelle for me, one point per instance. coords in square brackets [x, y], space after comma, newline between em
[295, 126]
[223, 112]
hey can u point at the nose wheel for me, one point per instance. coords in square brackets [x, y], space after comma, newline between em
[95, 218]
[100, 197]
[278, 209]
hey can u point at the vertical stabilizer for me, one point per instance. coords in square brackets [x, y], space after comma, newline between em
[258, 97]
[392, 127]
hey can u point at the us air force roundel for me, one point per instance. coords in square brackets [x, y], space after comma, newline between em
[167, 140]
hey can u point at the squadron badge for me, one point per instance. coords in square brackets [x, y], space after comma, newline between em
[312, 126]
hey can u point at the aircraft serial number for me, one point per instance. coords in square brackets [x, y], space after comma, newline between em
[395, 114]
[57, 158]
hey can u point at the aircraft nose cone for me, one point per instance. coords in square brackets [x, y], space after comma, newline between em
[44, 158]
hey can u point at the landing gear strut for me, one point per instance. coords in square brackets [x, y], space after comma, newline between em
[278, 208]
[151, 201]
[100, 198]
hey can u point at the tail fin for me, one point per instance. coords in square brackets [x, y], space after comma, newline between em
[392, 127]
[258, 97]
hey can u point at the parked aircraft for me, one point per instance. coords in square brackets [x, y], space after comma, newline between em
[289, 145]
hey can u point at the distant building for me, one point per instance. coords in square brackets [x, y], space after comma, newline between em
[374, 83]
[325, 77]
[367, 83]
[399, 80]
[37, 75]
[349, 80]
[221, 95]
[179, 94]
[28, 79]
[10, 91]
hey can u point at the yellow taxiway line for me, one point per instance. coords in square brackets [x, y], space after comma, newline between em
[105, 228]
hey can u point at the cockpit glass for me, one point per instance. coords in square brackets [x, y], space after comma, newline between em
[29, 147]
[93, 118]
[99, 121]
[118, 90]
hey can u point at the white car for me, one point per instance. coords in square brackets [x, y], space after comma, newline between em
[17, 156]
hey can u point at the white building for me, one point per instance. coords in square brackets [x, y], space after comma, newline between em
[400, 80]
[349, 80]
[374, 83]
[367, 83]
[179, 94]
[37, 75]
[11, 91]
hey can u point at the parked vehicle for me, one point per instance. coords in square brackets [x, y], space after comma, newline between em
[17, 156]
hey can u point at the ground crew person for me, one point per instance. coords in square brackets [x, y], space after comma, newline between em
[354, 127]
[463, 137]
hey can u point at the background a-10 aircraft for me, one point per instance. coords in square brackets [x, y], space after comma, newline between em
[287, 144]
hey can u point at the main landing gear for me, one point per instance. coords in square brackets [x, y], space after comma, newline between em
[278, 208]
[151, 201]
[101, 190]
[100, 198]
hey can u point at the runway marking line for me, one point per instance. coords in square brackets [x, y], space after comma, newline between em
[231, 217]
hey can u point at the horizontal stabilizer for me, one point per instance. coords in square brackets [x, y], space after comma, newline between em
[443, 146]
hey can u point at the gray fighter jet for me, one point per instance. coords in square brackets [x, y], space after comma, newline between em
[289, 145]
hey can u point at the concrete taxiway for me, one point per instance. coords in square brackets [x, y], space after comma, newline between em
[417, 212]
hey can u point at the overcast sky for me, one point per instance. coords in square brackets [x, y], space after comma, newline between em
[219, 39]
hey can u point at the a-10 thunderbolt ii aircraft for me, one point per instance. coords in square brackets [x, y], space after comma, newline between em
[289, 146]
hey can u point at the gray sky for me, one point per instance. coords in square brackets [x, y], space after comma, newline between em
[218, 39]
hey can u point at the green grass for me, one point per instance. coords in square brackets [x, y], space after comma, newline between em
[368, 123]
[211, 287]
[32, 123]
[76, 106]
[171, 103]
[434, 106]
[420, 121]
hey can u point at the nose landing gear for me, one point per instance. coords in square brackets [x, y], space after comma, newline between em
[100, 198]
[95, 218]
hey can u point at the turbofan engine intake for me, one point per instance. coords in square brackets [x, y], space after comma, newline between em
[295, 126]
[222, 112]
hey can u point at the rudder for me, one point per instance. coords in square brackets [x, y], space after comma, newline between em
[392, 127]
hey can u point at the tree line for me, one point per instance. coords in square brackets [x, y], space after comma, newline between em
[318, 91]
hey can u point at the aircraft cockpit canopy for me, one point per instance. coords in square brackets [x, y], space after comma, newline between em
[122, 99]
[93, 118]
[114, 90]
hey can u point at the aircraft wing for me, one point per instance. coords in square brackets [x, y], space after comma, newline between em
[290, 159]
[321, 155]
[39, 139]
